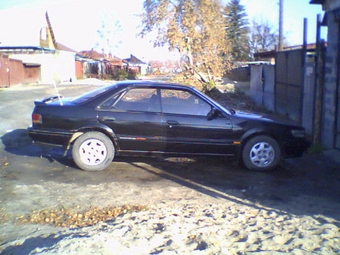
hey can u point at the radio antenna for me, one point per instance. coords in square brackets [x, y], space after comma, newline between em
[58, 95]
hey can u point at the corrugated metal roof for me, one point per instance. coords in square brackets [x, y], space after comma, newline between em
[24, 49]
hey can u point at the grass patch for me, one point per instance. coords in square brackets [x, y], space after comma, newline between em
[316, 149]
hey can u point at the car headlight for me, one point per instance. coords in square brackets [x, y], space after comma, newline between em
[298, 133]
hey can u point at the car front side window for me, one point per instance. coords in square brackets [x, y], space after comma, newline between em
[183, 102]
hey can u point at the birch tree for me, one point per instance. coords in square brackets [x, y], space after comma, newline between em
[194, 28]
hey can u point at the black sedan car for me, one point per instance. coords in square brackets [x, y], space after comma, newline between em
[154, 118]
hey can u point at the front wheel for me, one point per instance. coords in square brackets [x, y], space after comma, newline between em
[261, 153]
[93, 151]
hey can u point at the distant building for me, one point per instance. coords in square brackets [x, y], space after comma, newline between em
[135, 65]
[48, 62]
[94, 64]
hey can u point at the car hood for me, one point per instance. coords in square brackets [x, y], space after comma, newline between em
[264, 118]
[249, 115]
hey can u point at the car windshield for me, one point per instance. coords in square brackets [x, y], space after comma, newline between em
[91, 94]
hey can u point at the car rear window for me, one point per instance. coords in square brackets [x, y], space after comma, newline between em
[90, 95]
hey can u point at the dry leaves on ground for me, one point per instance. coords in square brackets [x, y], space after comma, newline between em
[65, 217]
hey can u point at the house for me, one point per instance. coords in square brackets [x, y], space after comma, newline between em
[48, 62]
[24, 64]
[94, 64]
[135, 65]
[330, 117]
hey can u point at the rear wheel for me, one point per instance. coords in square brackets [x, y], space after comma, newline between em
[93, 151]
[261, 153]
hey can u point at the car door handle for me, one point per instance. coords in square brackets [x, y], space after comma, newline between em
[172, 123]
[107, 119]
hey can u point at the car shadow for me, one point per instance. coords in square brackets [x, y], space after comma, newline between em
[19, 143]
[309, 185]
[33, 243]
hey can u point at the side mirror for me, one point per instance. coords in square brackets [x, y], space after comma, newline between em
[212, 114]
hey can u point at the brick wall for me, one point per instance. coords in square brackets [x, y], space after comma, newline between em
[79, 70]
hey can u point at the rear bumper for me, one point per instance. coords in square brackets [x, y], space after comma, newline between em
[57, 137]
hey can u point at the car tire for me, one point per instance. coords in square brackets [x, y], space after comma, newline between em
[261, 153]
[93, 151]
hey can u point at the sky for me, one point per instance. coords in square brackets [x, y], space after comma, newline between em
[294, 12]
[75, 23]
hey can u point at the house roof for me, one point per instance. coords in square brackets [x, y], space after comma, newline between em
[49, 25]
[57, 45]
[133, 60]
[265, 54]
[64, 48]
[93, 54]
[24, 49]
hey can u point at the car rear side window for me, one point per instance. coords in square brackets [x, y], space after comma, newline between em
[139, 99]
[108, 104]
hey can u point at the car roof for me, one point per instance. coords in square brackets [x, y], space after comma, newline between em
[143, 83]
[122, 85]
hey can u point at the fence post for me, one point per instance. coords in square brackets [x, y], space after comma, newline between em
[319, 81]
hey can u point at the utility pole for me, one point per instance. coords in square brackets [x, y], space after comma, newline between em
[280, 44]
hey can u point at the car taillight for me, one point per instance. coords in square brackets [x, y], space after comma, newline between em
[36, 118]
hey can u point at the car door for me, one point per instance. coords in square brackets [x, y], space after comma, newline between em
[135, 118]
[186, 128]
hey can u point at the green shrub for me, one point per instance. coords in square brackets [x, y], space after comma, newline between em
[120, 75]
[315, 149]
